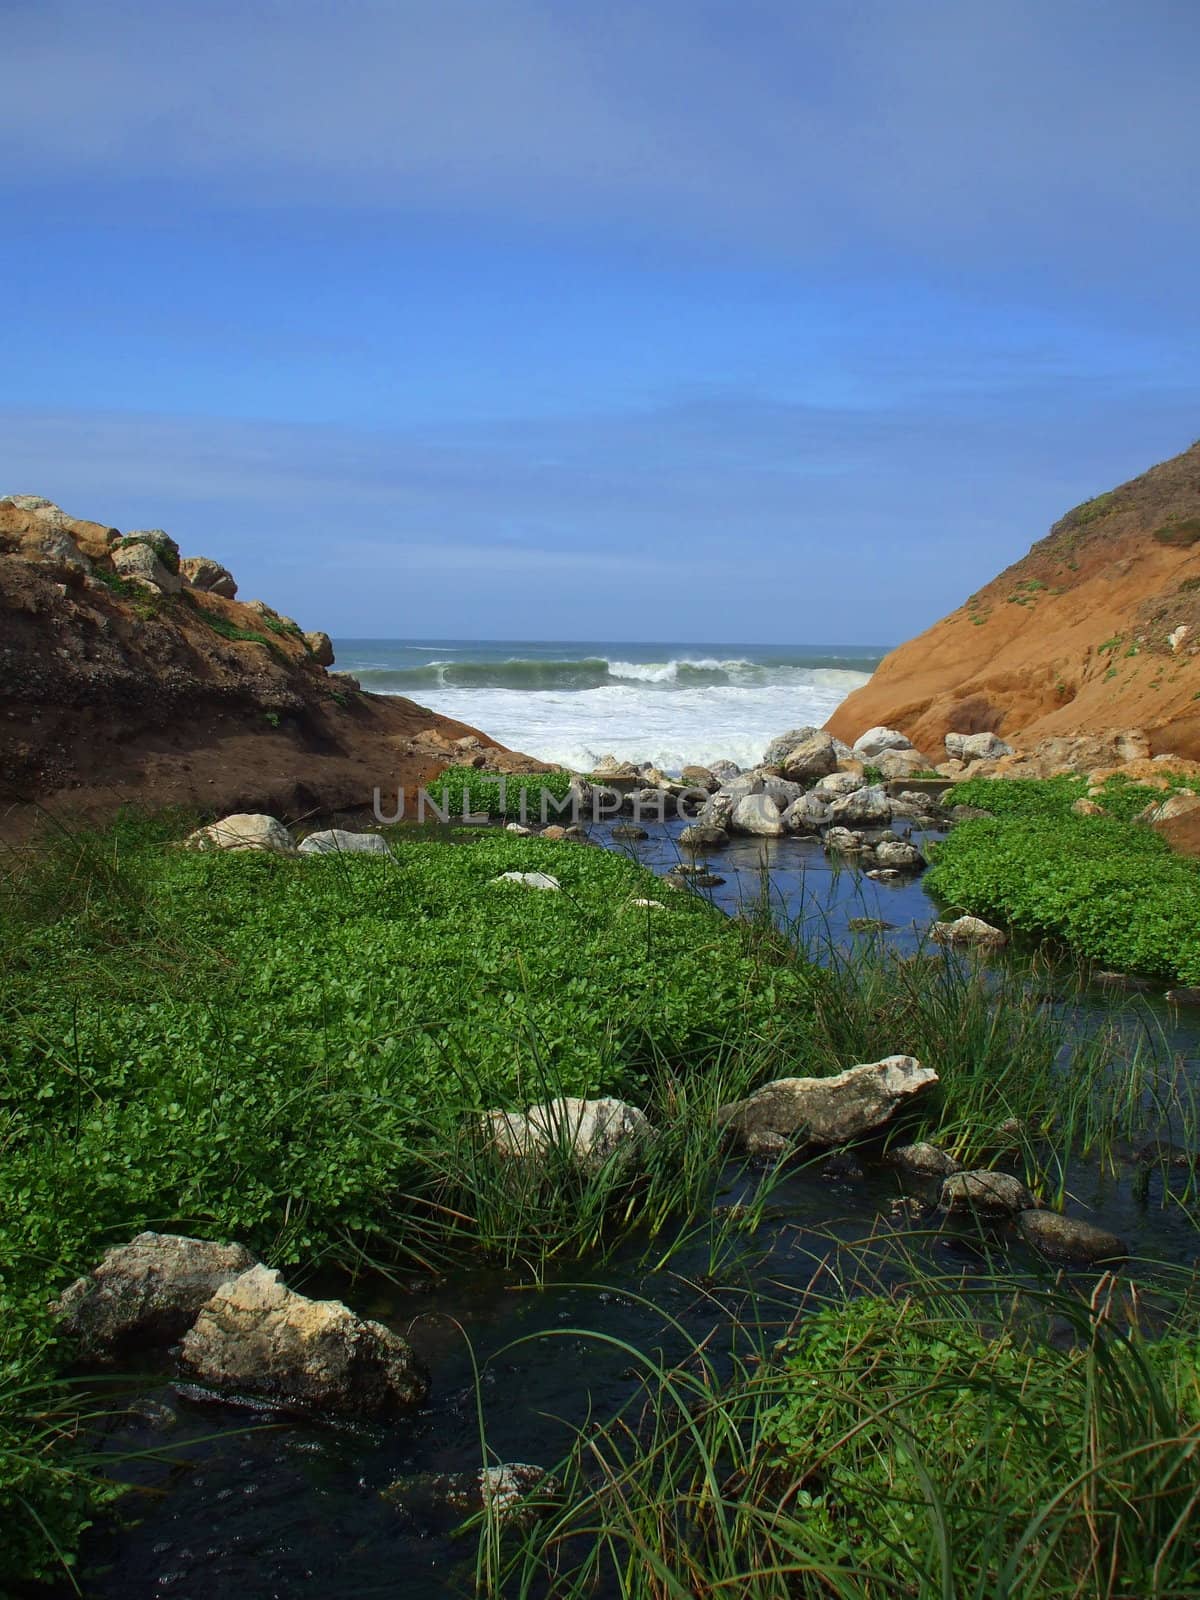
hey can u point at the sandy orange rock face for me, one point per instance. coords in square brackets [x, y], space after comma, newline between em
[1098, 627]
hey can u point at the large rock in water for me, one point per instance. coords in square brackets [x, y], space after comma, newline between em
[1062, 1238]
[868, 807]
[258, 1338]
[985, 1191]
[826, 1111]
[244, 830]
[145, 1293]
[758, 814]
[588, 1133]
[968, 930]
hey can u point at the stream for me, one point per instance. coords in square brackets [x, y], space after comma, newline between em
[232, 1504]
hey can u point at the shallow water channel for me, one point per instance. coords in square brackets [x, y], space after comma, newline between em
[258, 1506]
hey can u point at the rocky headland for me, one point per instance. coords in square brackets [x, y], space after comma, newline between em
[1096, 629]
[131, 674]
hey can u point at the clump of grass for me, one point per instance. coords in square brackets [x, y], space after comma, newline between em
[1183, 531]
[1002, 1442]
[466, 790]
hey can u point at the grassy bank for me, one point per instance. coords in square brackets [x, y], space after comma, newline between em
[290, 1053]
[955, 1438]
[1109, 889]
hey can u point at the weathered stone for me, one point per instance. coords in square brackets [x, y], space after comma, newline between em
[210, 576]
[256, 1337]
[826, 1111]
[1066, 1239]
[787, 742]
[1083, 807]
[843, 842]
[810, 759]
[783, 792]
[717, 811]
[866, 807]
[700, 778]
[145, 1293]
[968, 747]
[339, 841]
[245, 830]
[1187, 995]
[985, 1191]
[738, 788]
[875, 741]
[589, 1133]
[724, 771]
[885, 874]
[629, 830]
[320, 648]
[757, 814]
[838, 784]
[1176, 805]
[518, 828]
[703, 836]
[647, 905]
[869, 925]
[897, 853]
[967, 930]
[530, 880]
[807, 814]
[967, 813]
[609, 768]
[895, 764]
[698, 877]
[553, 833]
[923, 1160]
[140, 562]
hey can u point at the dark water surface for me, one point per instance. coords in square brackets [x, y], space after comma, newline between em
[230, 1505]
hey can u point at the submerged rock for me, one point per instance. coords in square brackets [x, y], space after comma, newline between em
[967, 930]
[826, 1111]
[923, 1160]
[145, 1293]
[985, 1191]
[511, 1493]
[1067, 1239]
[589, 1133]
[629, 830]
[339, 841]
[703, 836]
[244, 830]
[258, 1338]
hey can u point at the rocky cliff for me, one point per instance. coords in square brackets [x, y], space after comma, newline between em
[1098, 627]
[130, 674]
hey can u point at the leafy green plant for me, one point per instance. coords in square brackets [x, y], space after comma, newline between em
[467, 790]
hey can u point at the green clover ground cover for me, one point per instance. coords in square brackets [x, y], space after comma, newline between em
[1112, 891]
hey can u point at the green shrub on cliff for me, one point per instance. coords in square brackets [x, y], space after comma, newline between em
[466, 790]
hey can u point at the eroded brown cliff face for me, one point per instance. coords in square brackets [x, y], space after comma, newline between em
[1097, 627]
[115, 691]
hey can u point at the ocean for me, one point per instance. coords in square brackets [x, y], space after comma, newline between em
[572, 702]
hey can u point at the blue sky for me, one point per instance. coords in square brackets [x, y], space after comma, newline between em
[758, 321]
